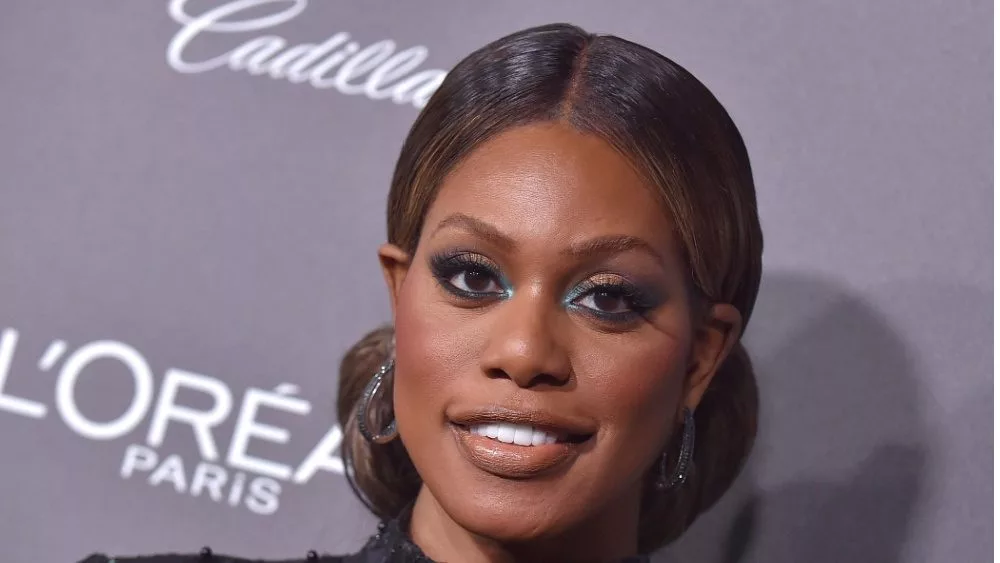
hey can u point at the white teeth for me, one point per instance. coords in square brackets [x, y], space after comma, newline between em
[537, 438]
[506, 433]
[520, 434]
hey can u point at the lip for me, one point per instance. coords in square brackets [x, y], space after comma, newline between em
[511, 461]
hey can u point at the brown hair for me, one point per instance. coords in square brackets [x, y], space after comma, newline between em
[679, 137]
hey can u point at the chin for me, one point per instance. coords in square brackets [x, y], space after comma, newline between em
[505, 502]
[510, 512]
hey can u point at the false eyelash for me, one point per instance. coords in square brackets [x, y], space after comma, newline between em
[639, 301]
[445, 266]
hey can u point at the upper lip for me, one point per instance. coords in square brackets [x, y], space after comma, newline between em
[540, 419]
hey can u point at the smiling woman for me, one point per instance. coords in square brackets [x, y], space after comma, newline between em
[573, 254]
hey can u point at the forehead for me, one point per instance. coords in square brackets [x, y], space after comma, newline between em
[554, 181]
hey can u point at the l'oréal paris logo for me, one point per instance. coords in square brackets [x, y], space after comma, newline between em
[224, 473]
[377, 71]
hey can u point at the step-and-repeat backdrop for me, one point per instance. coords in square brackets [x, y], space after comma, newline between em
[192, 195]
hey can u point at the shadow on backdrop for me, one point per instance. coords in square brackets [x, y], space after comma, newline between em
[841, 456]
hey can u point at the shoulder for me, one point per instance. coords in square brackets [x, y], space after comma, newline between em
[206, 556]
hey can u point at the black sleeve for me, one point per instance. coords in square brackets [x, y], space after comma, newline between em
[194, 558]
[166, 558]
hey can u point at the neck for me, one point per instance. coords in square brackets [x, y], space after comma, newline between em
[608, 536]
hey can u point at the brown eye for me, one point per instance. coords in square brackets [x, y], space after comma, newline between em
[475, 280]
[609, 302]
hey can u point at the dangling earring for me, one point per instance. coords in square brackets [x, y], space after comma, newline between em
[680, 472]
[364, 407]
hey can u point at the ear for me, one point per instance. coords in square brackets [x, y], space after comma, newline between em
[713, 341]
[395, 264]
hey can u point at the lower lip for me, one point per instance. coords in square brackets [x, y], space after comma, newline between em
[512, 461]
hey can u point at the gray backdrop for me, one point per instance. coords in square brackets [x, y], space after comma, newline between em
[191, 205]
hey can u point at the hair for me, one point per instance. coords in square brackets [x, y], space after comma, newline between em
[679, 137]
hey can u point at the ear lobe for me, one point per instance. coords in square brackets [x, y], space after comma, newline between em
[395, 264]
[713, 342]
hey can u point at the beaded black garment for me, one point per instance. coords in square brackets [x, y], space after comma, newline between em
[390, 545]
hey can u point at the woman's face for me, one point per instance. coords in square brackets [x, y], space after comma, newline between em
[544, 337]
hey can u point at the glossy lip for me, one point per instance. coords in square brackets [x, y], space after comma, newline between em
[511, 461]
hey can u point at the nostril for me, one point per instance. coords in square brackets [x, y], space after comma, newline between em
[533, 380]
[548, 379]
[497, 373]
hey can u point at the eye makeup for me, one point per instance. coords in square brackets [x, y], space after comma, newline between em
[605, 297]
[613, 298]
[464, 274]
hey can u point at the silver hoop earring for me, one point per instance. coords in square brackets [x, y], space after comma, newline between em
[680, 473]
[364, 407]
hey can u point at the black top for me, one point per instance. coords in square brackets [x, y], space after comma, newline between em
[390, 545]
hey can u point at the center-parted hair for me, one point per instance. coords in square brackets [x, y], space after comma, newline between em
[681, 141]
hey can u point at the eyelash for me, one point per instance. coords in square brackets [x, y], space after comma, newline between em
[637, 301]
[445, 267]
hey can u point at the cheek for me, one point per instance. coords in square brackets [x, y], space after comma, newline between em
[430, 348]
[636, 386]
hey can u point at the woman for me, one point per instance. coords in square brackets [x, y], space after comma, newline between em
[574, 252]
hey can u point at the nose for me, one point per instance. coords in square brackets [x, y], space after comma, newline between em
[523, 344]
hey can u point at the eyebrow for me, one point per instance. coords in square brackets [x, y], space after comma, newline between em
[477, 227]
[599, 246]
[610, 245]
